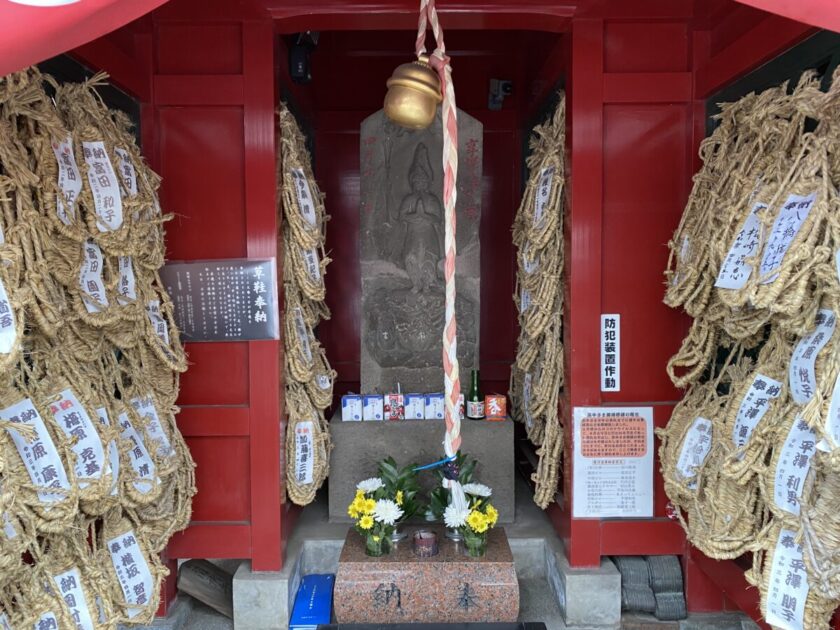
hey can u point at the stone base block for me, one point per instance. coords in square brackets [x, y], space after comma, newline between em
[447, 588]
[263, 600]
[587, 597]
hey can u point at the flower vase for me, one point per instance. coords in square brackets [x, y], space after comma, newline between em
[397, 535]
[454, 534]
[377, 546]
[475, 545]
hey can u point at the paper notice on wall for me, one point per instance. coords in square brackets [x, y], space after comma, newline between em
[104, 186]
[695, 448]
[304, 196]
[754, 405]
[304, 462]
[313, 265]
[132, 571]
[127, 173]
[138, 456]
[791, 216]
[788, 584]
[127, 288]
[611, 353]
[39, 456]
[526, 400]
[69, 585]
[302, 333]
[69, 181]
[90, 278]
[113, 464]
[543, 194]
[802, 376]
[793, 466]
[735, 271]
[8, 326]
[157, 321]
[145, 408]
[73, 419]
[613, 462]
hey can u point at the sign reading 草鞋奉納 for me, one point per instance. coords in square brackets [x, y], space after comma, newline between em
[224, 300]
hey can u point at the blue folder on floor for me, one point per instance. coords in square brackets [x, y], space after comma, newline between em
[313, 602]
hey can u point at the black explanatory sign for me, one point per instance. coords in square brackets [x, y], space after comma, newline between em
[224, 300]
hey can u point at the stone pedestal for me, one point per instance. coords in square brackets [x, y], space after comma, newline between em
[448, 588]
[359, 446]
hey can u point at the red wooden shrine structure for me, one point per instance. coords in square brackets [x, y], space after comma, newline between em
[638, 73]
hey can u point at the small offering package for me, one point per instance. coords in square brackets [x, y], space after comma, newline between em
[351, 408]
[434, 407]
[495, 407]
[415, 407]
[394, 407]
[373, 408]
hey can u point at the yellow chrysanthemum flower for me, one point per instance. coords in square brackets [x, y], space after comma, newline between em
[482, 527]
[358, 505]
[352, 512]
[369, 506]
[360, 494]
[476, 520]
[366, 522]
[399, 497]
[492, 515]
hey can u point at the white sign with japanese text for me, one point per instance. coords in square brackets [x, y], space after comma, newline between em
[90, 278]
[127, 288]
[793, 466]
[304, 196]
[792, 215]
[127, 172]
[105, 187]
[40, 456]
[69, 181]
[755, 404]
[138, 457]
[69, 585]
[613, 462]
[788, 584]
[8, 327]
[145, 408]
[132, 571]
[611, 353]
[543, 194]
[695, 448]
[113, 463]
[735, 271]
[304, 462]
[802, 376]
[157, 321]
[72, 418]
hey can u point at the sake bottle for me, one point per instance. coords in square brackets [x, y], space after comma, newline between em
[475, 399]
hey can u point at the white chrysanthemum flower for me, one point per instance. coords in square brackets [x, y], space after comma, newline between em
[453, 517]
[370, 485]
[387, 512]
[478, 490]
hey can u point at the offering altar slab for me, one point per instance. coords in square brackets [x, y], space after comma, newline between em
[448, 588]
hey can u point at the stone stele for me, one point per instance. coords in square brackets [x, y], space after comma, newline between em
[402, 253]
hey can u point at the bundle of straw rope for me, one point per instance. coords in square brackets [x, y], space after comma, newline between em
[537, 374]
[89, 449]
[308, 376]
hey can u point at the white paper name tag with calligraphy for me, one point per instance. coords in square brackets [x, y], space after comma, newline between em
[524, 300]
[127, 172]
[90, 279]
[9, 530]
[69, 585]
[788, 584]
[132, 571]
[792, 215]
[158, 322]
[684, 251]
[802, 376]
[793, 466]
[303, 335]
[304, 463]
[543, 194]
[104, 185]
[313, 266]
[40, 456]
[755, 404]
[735, 271]
[127, 288]
[113, 464]
[138, 457]
[145, 408]
[324, 381]
[695, 448]
[8, 327]
[69, 181]
[530, 266]
[304, 196]
[526, 400]
[74, 421]
[47, 621]
[4, 622]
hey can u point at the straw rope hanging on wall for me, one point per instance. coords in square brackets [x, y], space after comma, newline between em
[94, 474]
[537, 374]
[309, 378]
[755, 262]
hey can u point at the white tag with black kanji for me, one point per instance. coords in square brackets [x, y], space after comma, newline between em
[69, 181]
[304, 196]
[793, 465]
[303, 334]
[127, 172]
[127, 288]
[304, 463]
[90, 279]
[157, 320]
[791, 216]
[735, 271]
[72, 418]
[145, 408]
[802, 376]
[132, 571]
[695, 448]
[8, 326]
[543, 194]
[138, 457]
[104, 186]
[788, 584]
[69, 585]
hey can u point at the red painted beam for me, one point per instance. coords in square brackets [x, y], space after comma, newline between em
[644, 537]
[126, 72]
[213, 421]
[211, 540]
[647, 87]
[202, 90]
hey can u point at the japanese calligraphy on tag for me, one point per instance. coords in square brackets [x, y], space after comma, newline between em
[526, 400]
[695, 448]
[145, 408]
[788, 584]
[304, 463]
[613, 462]
[132, 571]
[40, 457]
[529, 265]
[127, 288]
[104, 185]
[112, 466]
[8, 327]
[313, 266]
[69, 181]
[157, 321]
[524, 300]
[543, 194]
[90, 279]
[127, 173]
[72, 418]
[224, 300]
[302, 333]
[47, 621]
[792, 215]
[611, 353]
[793, 466]
[69, 587]
[138, 457]
[304, 196]
[755, 404]
[735, 271]
[802, 377]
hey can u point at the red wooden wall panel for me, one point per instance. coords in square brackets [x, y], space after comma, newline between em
[224, 497]
[217, 375]
[646, 47]
[182, 48]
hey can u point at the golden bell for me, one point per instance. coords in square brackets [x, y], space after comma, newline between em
[413, 94]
